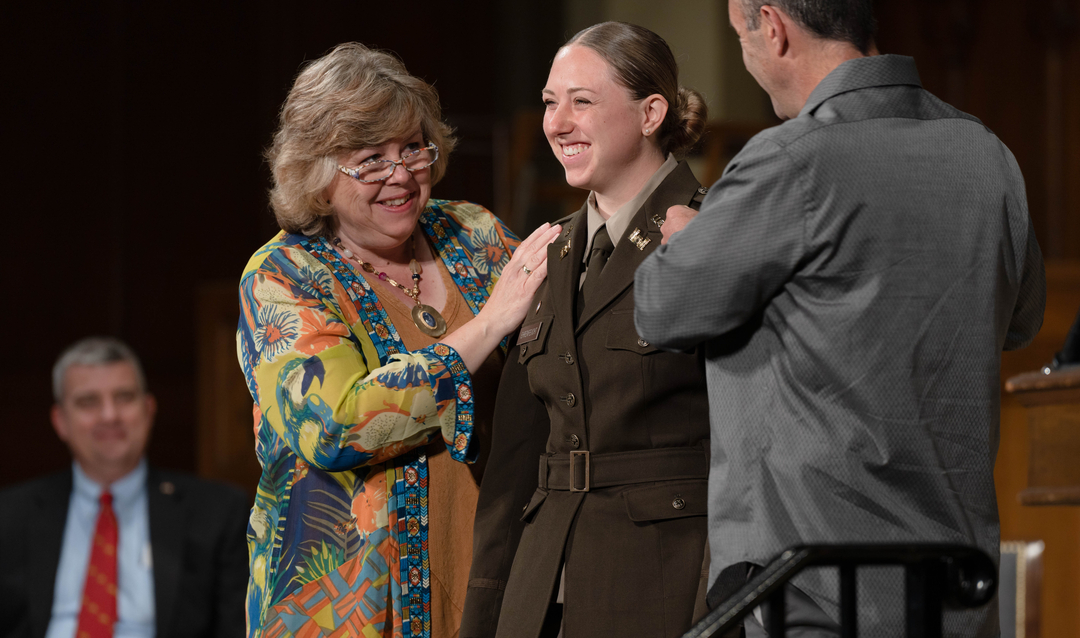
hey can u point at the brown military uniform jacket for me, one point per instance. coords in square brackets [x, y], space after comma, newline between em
[621, 430]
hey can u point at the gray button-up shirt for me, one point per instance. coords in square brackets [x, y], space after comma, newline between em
[854, 276]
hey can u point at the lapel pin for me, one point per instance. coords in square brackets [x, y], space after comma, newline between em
[538, 304]
[167, 488]
[639, 240]
[703, 190]
[565, 249]
[659, 221]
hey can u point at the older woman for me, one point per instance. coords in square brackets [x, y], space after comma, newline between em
[612, 537]
[369, 336]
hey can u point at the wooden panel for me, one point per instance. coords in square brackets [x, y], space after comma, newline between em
[1052, 401]
[1055, 445]
[1030, 385]
[1058, 527]
[226, 434]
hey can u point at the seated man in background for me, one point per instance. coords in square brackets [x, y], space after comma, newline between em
[112, 546]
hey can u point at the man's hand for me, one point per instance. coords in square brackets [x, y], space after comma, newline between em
[677, 218]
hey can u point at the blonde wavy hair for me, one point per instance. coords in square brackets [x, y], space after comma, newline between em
[353, 97]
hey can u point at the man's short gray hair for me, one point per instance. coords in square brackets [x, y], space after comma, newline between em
[94, 351]
[850, 21]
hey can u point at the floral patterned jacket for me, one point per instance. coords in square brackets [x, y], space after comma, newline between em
[337, 537]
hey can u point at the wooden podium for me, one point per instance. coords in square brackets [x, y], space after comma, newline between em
[1052, 402]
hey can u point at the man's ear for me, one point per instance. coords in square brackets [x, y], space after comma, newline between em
[775, 24]
[655, 109]
[58, 423]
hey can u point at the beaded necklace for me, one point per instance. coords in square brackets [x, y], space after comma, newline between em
[427, 319]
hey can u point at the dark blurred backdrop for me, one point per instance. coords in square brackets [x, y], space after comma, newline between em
[133, 135]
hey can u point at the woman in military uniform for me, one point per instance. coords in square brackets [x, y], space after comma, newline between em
[610, 538]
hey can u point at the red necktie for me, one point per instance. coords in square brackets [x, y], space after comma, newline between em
[98, 613]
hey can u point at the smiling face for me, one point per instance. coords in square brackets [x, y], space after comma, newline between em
[104, 417]
[380, 215]
[594, 127]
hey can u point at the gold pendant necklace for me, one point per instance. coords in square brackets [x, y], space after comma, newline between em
[427, 319]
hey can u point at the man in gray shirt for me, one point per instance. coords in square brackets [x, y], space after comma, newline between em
[853, 278]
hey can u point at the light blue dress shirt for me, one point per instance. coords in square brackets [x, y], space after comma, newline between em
[135, 573]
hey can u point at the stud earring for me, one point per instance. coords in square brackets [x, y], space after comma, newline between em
[648, 131]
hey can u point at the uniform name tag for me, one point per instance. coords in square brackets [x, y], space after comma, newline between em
[529, 333]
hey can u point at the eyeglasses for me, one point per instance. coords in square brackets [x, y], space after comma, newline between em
[378, 170]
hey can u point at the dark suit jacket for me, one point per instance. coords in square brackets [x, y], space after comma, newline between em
[632, 547]
[197, 532]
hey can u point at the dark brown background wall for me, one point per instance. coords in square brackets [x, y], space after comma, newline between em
[133, 182]
[132, 137]
[132, 141]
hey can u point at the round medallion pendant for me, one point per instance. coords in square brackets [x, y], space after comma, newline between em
[428, 320]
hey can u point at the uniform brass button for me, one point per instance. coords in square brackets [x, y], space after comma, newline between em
[575, 441]
[524, 349]
[678, 503]
[570, 400]
[567, 358]
[643, 343]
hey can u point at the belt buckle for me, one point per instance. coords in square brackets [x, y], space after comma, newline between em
[573, 482]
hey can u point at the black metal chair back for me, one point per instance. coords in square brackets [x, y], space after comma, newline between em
[936, 576]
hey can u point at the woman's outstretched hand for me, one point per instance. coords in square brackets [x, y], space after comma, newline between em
[509, 301]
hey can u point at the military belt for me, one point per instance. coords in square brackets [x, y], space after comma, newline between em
[582, 471]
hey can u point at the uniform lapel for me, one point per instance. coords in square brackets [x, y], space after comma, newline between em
[679, 186]
[167, 542]
[564, 271]
[46, 536]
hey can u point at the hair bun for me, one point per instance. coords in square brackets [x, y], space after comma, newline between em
[687, 120]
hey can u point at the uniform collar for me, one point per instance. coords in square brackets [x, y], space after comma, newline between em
[620, 219]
